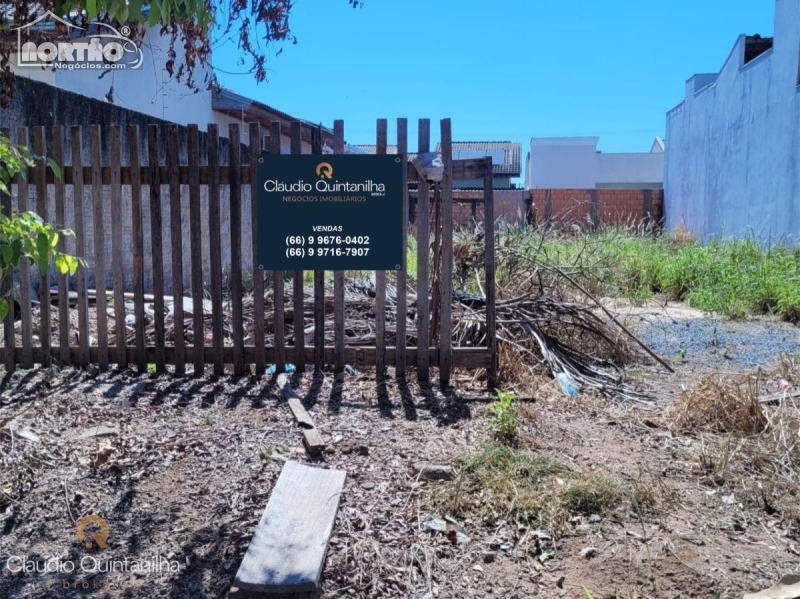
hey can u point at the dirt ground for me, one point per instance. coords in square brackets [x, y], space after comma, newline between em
[182, 469]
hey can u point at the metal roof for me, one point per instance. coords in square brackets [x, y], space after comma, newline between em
[229, 102]
[505, 154]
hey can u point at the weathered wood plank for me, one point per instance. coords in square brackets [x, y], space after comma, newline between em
[61, 222]
[137, 239]
[277, 275]
[319, 284]
[382, 135]
[287, 551]
[24, 274]
[402, 281]
[234, 162]
[254, 135]
[176, 247]
[156, 247]
[116, 247]
[489, 266]
[360, 357]
[446, 304]
[76, 140]
[196, 245]
[298, 289]
[40, 182]
[6, 283]
[338, 276]
[423, 258]
[215, 249]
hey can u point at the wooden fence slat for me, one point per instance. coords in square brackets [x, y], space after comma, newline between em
[491, 317]
[215, 249]
[196, 248]
[176, 249]
[24, 274]
[445, 322]
[402, 281]
[156, 247]
[234, 163]
[40, 181]
[338, 276]
[423, 260]
[258, 274]
[298, 285]
[380, 275]
[137, 240]
[319, 284]
[6, 285]
[61, 221]
[99, 232]
[277, 275]
[116, 248]
[76, 139]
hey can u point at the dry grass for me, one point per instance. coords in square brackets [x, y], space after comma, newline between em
[744, 445]
[502, 483]
[719, 403]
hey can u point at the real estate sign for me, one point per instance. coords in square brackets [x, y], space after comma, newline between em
[330, 212]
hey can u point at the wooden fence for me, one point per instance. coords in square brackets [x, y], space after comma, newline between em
[152, 184]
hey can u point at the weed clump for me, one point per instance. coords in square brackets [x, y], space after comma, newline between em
[719, 404]
[499, 482]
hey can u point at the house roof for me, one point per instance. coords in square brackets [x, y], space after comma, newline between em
[229, 102]
[505, 154]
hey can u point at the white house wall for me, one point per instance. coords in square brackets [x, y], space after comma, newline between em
[575, 163]
[733, 145]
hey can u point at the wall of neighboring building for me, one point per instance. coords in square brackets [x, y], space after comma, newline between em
[733, 144]
[575, 163]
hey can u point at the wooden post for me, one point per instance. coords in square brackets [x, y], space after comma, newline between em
[380, 279]
[402, 281]
[116, 247]
[137, 239]
[647, 207]
[61, 221]
[319, 283]
[594, 205]
[234, 163]
[277, 275]
[23, 205]
[423, 261]
[40, 178]
[215, 249]
[338, 277]
[254, 135]
[6, 285]
[446, 278]
[157, 248]
[80, 244]
[489, 265]
[176, 248]
[196, 244]
[298, 291]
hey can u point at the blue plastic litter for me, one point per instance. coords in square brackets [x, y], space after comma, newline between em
[288, 368]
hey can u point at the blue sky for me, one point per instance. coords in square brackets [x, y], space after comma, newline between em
[500, 69]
